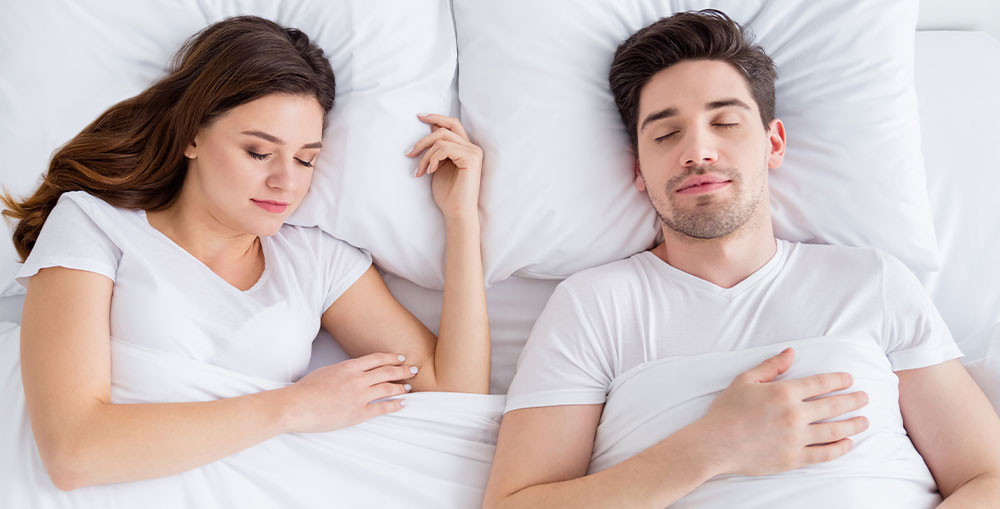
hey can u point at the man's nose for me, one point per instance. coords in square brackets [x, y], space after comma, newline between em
[699, 148]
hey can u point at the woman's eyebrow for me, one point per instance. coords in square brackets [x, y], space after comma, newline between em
[278, 141]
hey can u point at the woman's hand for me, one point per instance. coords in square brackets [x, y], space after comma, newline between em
[455, 163]
[341, 395]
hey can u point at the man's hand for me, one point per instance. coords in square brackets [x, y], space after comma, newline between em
[759, 426]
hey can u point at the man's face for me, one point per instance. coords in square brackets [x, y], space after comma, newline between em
[703, 152]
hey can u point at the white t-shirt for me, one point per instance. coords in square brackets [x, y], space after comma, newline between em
[602, 322]
[167, 300]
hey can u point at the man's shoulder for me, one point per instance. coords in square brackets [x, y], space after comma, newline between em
[598, 284]
[835, 258]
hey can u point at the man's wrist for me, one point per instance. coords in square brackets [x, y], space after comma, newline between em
[704, 449]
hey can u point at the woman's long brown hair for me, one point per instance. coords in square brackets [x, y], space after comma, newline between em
[132, 156]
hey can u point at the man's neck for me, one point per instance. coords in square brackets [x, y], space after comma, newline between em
[724, 262]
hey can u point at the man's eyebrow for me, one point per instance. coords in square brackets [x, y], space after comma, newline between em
[657, 115]
[724, 103]
[278, 141]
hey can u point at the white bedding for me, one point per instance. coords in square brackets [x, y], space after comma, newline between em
[334, 467]
[436, 452]
[882, 470]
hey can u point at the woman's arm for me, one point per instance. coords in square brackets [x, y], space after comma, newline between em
[84, 439]
[955, 429]
[368, 318]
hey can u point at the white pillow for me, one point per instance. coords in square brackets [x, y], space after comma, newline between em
[62, 63]
[982, 360]
[957, 76]
[557, 188]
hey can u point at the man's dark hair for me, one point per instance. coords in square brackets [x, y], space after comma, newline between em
[703, 35]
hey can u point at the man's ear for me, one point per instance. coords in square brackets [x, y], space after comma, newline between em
[776, 143]
[639, 183]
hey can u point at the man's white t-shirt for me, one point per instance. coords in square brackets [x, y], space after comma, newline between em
[167, 300]
[602, 322]
[655, 345]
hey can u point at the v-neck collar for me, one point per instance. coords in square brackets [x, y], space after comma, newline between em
[265, 247]
[771, 267]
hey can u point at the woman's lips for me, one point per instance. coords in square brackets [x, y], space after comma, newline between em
[275, 207]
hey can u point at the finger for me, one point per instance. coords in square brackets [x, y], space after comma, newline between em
[827, 452]
[829, 432]
[818, 385]
[425, 160]
[430, 139]
[450, 123]
[770, 368]
[442, 150]
[387, 390]
[389, 373]
[384, 407]
[374, 360]
[445, 153]
[833, 406]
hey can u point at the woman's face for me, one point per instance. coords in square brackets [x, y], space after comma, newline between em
[250, 168]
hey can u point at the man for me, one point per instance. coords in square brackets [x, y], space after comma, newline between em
[617, 400]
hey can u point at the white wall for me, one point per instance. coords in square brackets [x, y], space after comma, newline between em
[982, 15]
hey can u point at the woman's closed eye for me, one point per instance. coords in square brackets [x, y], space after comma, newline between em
[257, 156]
[264, 157]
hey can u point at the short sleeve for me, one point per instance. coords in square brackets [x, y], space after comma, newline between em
[343, 264]
[564, 362]
[915, 335]
[72, 238]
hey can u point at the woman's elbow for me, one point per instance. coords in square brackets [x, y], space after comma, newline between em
[65, 465]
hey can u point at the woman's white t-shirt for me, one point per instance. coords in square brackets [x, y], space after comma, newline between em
[167, 300]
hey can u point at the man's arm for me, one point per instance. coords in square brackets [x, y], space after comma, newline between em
[755, 427]
[955, 429]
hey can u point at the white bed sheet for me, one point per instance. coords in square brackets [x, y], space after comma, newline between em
[513, 305]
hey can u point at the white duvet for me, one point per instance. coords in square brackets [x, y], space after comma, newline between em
[436, 452]
[883, 470]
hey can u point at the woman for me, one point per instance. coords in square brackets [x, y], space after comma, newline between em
[161, 225]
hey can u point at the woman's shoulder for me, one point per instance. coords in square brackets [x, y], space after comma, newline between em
[312, 237]
[77, 202]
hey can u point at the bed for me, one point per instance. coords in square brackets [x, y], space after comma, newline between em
[908, 125]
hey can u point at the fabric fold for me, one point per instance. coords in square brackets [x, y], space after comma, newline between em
[653, 400]
[436, 452]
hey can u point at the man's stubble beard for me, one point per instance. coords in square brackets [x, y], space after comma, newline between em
[709, 218]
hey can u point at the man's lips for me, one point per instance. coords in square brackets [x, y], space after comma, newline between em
[275, 207]
[702, 184]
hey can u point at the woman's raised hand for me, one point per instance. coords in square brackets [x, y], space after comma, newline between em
[455, 164]
[344, 394]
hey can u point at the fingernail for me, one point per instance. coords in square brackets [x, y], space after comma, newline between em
[415, 172]
[402, 402]
[410, 150]
[401, 357]
[406, 386]
[413, 369]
